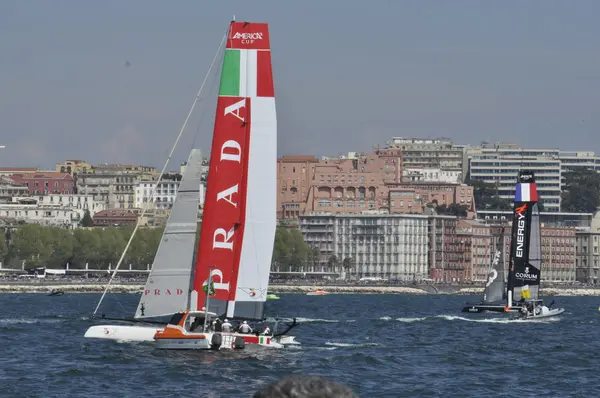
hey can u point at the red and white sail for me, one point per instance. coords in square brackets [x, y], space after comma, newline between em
[238, 226]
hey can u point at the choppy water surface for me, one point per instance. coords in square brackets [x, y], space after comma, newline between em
[381, 345]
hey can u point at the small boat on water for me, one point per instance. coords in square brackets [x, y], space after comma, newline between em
[271, 296]
[317, 293]
[56, 292]
[524, 272]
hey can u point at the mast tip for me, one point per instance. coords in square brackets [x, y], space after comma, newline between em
[233, 19]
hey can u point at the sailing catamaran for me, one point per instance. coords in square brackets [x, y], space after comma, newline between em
[524, 273]
[494, 294]
[229, 275]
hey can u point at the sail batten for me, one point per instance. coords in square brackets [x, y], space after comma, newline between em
[238, 228]
[167, 286]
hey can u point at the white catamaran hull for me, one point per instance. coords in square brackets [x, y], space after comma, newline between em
[544, 312]
[122, 332]
[125, 333]
[228, 341]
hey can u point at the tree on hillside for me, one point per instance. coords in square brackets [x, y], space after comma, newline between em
[453, 210]
[86, 221]
[486, 196]
[581, 192]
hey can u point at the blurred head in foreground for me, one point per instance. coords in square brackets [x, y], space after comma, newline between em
[305, 387]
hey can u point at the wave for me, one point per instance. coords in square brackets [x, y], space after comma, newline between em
[307, 320]
[351, 345]
[15, 321]
[411, 320]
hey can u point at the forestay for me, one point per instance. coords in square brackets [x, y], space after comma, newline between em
[168, 285]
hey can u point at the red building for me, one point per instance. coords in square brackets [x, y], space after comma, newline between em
[43, 183]
[114, 218]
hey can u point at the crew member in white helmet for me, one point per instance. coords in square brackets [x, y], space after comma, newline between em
[267, 330]
[226, 326]
[245, 328]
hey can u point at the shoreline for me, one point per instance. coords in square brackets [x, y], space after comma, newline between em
[137, 288]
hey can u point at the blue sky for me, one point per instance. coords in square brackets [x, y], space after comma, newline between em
[348, 74]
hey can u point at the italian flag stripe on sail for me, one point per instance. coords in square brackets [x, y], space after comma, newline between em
[246, 73]
[247, 63]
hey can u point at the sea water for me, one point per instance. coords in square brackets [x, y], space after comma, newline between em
[380, 345]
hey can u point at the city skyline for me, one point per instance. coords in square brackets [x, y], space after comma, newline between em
[112, 81]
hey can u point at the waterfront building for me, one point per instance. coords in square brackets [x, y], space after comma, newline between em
[9, 171]
[357, 183]
[74, 167]
[499, 165]
[431, 160]
[114, 184]
[588, 252]
[9, 189]
[44, 183]
[57, 210]
[115, 218]
[390, 246]
[573, 160]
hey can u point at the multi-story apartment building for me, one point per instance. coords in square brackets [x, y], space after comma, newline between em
[413, 158]
[8, 171]
[114, 184]
[9, 189]
[74, 167]
[390, 246]
[570, 160]
[500, 163]
[44, 183]
[588, 252]
[114, 218]
[352, 185]
[481, 239]
[165, 194]
[78, 202]
[57, 210]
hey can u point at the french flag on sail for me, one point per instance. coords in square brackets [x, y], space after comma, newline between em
[526, 192]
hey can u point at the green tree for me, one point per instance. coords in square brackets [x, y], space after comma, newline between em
[282, 249]
[3, 247]
[486, 196]
[453, 210]
[581, 192]
[314, 257]
[348, 265]
[332, 263]
[87, 220]
[86, 248]
[32, 243]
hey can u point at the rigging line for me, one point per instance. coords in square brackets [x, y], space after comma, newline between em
[203, 112]
[155, 189]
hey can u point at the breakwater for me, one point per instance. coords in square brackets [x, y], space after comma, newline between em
[95, 287]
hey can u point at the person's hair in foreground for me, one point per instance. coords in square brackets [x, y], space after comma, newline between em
[305, 387]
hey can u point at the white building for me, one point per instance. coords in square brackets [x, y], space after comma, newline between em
[165, 194]
[578, 160]
[500, 165]
[428, 174]
[389, 246]
[587, 252]
[58, 210]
